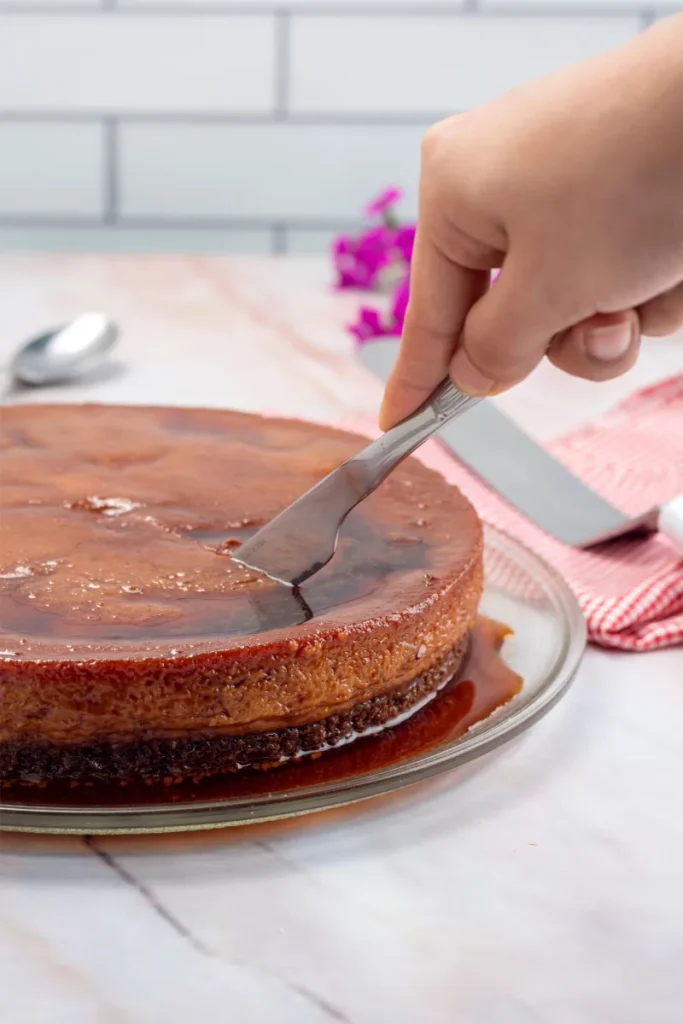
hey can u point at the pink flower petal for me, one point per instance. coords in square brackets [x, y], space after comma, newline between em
[368, 325]
[399, 305]
[404, 241]
[382, 202]
[358, 261]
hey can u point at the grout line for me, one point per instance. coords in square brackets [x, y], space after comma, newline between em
[278, 239]
[50, 221]
[209, 224]
[579, 9]
[332, 119]
[465, 8]
[134, 116]
[647, 18]
[282, 64]
[240, 223]
[110, 169]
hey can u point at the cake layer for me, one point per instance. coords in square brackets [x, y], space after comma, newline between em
[122, 614]
[154, 758]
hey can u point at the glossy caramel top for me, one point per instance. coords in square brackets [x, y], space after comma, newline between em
[117, 525]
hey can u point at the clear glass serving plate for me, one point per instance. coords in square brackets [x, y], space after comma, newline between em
[545, 649]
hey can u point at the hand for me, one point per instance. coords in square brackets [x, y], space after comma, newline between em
[574, 187]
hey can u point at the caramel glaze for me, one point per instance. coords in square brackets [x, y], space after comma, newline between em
[122, 614]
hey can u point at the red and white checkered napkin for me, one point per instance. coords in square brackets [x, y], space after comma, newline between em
[631, 591]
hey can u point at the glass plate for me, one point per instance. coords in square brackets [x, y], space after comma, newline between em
[545, 650]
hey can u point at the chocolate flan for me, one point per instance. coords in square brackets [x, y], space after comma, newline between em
[133, 645]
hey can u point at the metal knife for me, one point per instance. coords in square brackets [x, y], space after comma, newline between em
[303, 538]
[529, 478]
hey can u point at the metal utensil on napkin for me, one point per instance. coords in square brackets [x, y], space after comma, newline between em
[303, 538]
[528, 477]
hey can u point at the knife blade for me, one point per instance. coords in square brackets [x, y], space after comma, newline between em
[299, 541]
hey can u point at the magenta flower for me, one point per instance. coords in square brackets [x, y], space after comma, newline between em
[381, 204]
[350, 274]
[368, 325]
[354, 269]
[358, 261]
[404, 242]
[374, 247]
[372, 260]
[399, 305]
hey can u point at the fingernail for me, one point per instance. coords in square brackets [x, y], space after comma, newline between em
[467, 377]
[609, 343]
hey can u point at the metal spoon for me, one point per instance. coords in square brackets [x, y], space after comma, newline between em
[66, 352]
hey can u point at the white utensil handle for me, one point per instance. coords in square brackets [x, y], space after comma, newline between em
[671, 521]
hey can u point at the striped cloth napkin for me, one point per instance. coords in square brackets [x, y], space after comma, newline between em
[631, 591]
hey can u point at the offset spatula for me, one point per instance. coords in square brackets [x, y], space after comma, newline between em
[528, 477]
[303, 538]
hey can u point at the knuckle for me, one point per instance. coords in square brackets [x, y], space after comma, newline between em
[439, 140]
[431, 143]
[501, 364]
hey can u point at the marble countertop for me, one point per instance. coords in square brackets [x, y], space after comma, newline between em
[542, 885]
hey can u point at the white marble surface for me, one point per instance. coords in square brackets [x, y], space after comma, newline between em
[543, 885]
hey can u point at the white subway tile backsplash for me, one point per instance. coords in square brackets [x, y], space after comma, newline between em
[140, 240]
[408, 64]
[116, 62]
[51, 170]
[274, 171]
[216, 125]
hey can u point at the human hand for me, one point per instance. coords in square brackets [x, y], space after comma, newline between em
[573, 185]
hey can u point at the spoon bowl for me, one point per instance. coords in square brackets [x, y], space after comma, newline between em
[66, 352]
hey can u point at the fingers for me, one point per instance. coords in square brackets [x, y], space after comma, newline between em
[505, 335]
[599, 348]
[441, 294]
[662, 315]
[606, 345]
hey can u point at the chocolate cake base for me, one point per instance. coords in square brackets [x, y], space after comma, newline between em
[155, 759]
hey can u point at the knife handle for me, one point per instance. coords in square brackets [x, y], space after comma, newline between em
[374, 463]
[670, 521]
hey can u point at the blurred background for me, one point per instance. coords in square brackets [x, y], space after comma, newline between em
[250, 126]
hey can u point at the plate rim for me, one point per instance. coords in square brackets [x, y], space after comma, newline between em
[211, 814]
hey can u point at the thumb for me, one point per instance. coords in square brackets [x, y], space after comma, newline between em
[505, 335]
